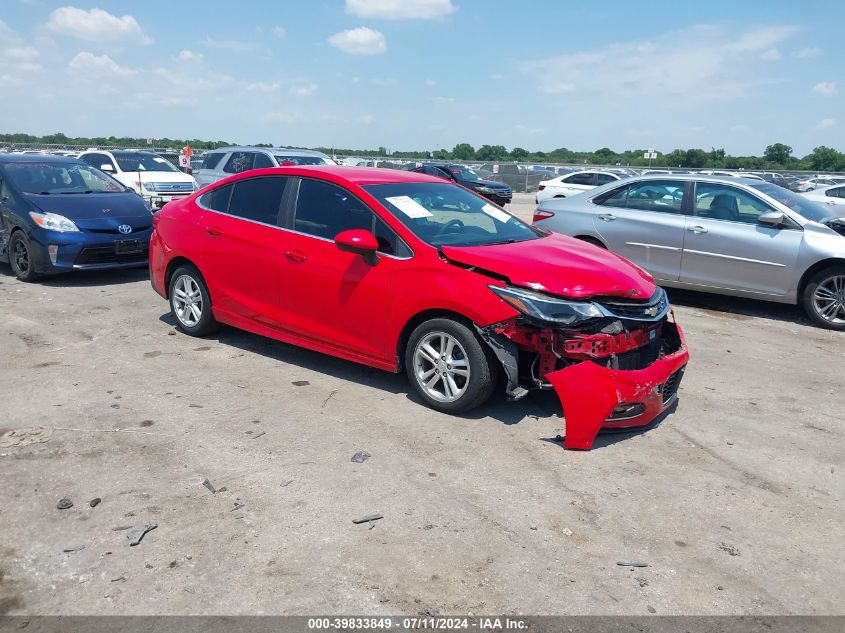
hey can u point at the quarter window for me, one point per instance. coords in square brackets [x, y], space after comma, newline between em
[210, 161]
[217, 199]
[722, 202]
[261, 161]
[258, 199]
[603, 179]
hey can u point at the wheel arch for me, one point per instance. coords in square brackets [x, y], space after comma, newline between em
[172, 265]
[591, 239]
[815, 268]
[419, 318]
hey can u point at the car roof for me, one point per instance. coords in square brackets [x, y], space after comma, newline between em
[353, 175]
[732, 180]
[36, 158]
[272, 150]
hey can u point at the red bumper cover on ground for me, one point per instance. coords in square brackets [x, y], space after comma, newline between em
[590, 393]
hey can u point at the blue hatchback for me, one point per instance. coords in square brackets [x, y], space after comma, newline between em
[60, 214]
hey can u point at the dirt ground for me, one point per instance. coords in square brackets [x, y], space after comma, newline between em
[734, 501]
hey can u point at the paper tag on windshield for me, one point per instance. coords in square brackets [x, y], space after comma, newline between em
[409, 207]
[495, 212]
[160, 160]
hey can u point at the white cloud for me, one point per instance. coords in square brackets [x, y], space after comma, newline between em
[430, 83]
[771, 55]
[10, 81]
[678, 62]
[443, 99]
[304, 91]
[497, 76]
[91, 66]
[825, 88]
[383, 82]
[366, 119]
[20, 58]
[233, 46]
[360, 41]
[826, 124]
[279, 31]
[808, 53]
[96, 25]
[355, 79]
[190, 56]
[400, 9]
[262, 86]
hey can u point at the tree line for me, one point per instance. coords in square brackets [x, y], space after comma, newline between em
[777, 156]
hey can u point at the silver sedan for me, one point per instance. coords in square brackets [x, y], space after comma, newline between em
[717, 234]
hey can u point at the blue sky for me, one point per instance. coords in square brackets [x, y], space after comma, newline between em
[426, 74]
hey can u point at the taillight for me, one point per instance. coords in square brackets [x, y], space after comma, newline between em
[542, 214]
[541, 187]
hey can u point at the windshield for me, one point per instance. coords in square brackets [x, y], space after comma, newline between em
[801, 205]
[302, 160]
[465, 173]
[143, 162]
[59, 178]
[445, 214]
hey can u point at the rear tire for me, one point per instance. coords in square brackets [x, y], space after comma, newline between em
[20, 257]
[449, 367]
[823, 298]
[190, 302]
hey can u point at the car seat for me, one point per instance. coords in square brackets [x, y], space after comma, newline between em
[724, 207]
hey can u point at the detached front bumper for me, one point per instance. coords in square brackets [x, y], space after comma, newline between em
[596, 397]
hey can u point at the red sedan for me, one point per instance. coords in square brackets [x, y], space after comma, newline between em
[407, 272]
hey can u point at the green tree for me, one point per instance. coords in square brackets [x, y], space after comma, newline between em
[518, 153]
[492, 152]
[778, 153]
[463, 151]
[825, 159]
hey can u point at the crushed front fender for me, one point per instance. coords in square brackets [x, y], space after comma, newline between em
[595, 397]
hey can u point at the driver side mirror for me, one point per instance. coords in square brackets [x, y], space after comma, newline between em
[772, 218]
[106, 167]
[359, 241]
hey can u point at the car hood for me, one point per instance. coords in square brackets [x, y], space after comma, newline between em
[97, 210]
[559, 265]
[485, 183]
[154, 176]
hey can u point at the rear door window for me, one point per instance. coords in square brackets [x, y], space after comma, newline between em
[212, 160]
[217, 199]
[663, 196]
[258, 199]
[603, 179]
[262, 160]
[239, 162]
[579, 179]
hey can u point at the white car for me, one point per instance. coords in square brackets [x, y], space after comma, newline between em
[150, 175]
[572, 184]
[834, 194]
[732, 174]
[819, 181]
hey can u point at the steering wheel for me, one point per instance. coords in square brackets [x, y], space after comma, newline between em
[455, 222]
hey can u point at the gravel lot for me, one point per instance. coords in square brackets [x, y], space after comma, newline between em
[734, 501]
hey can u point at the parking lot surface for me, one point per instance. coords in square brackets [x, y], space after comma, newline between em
[733, 502]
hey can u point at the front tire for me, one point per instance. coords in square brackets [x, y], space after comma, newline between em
[448, 366]
[190, 302]
[824, 298]
[20, 257]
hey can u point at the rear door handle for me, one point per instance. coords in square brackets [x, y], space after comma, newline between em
[295, 256]
[697, 229]
[607, 217]
[214, 231]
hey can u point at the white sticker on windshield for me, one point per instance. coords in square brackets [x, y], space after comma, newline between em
[409, 207]
[495, 212]
[160, 160]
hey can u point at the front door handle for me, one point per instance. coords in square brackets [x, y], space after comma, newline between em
[607, 217]
[697, 229]
[296, 256]
[214, 231]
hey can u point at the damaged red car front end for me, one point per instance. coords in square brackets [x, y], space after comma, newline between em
[619, 365]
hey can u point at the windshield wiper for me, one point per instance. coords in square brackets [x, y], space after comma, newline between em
[508, 241]
[68, 193]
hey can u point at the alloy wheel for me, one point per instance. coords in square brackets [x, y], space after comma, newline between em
[829, 299]
[441, 366]
[21, 256]
[187, 301]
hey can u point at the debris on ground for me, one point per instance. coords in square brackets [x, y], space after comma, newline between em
[257, 435]
[360, 457]
[73, 548]
[238, 506]
[287, 483]
[329, 397]
[119, 579]
[635, 563]
[64, 503]
[643, 582]
[209, 485]
[368, 518]
[25, 437]
[300, 383]
[94, 502]
[120, 528]
[730, 549]
[651, 609]
[137, 534]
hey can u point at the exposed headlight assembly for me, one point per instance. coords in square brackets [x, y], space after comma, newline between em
[486, 190]
[546, 308]
[53, 222]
